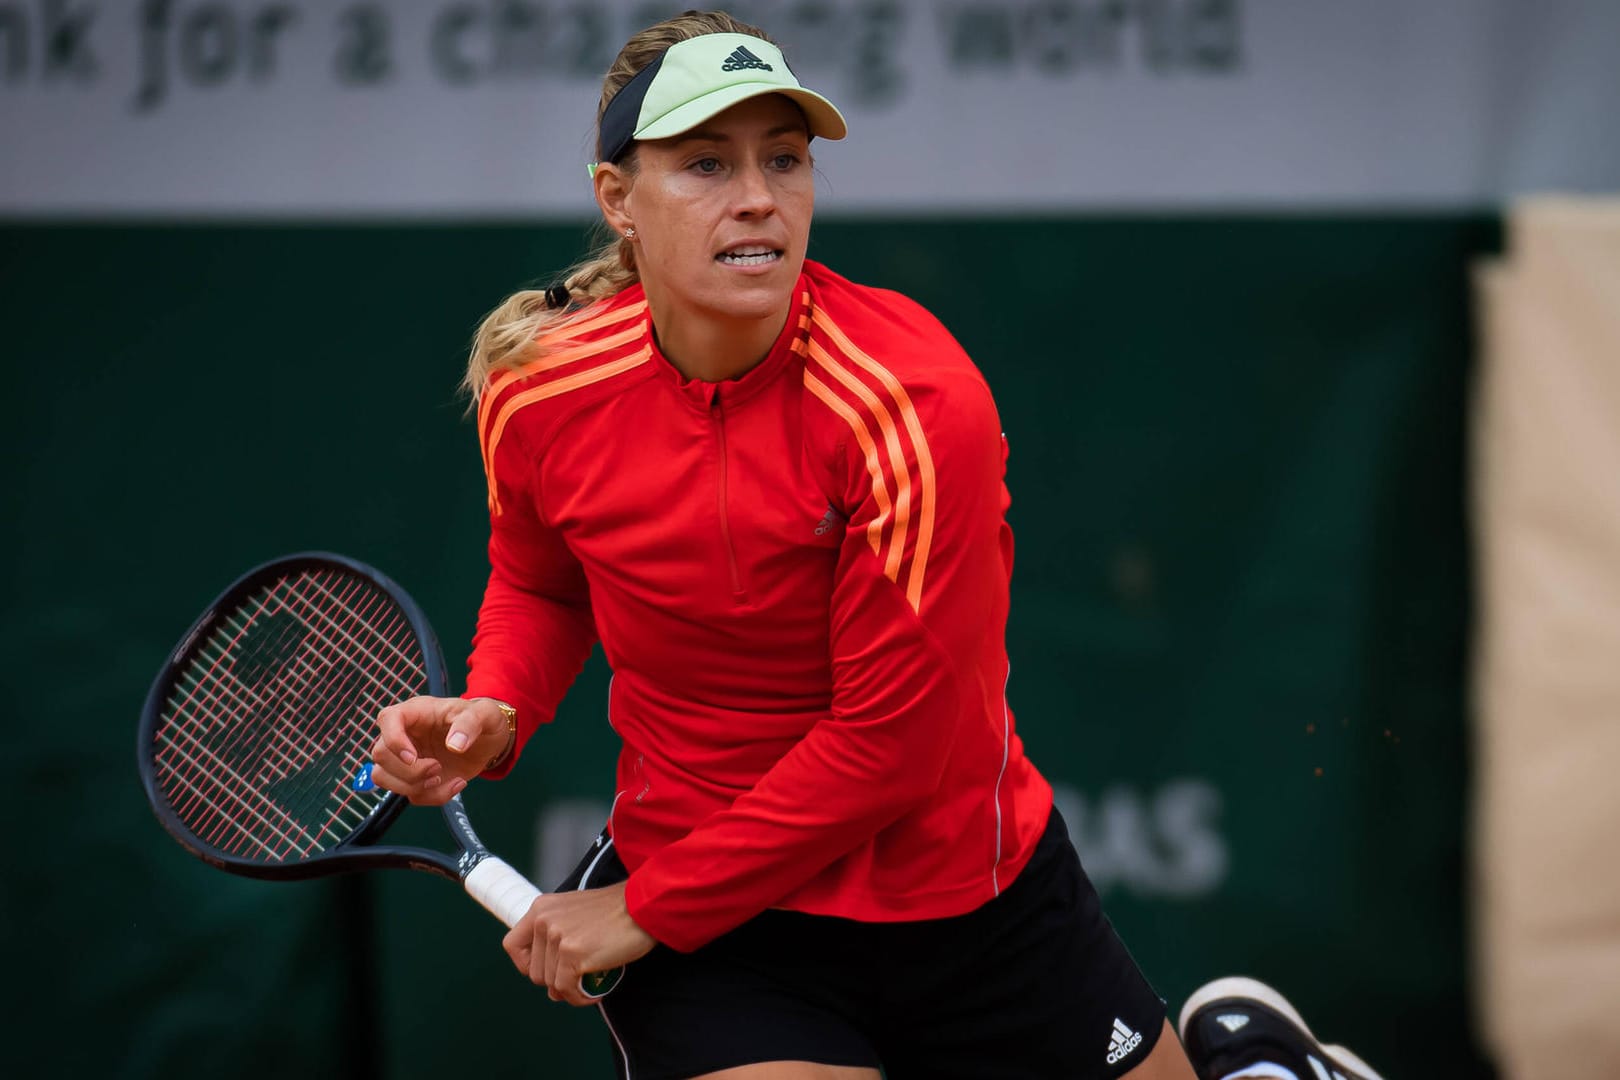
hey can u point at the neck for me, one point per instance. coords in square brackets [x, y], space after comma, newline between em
[712, 348]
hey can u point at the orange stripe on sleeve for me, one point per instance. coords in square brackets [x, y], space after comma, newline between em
[880, 490]
[564, 333]
[891, 443]
[568, 331]
[546, 390]
[925, 460]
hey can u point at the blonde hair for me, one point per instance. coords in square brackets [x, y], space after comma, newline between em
[508, 336]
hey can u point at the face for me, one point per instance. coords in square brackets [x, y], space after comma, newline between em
[721, 213]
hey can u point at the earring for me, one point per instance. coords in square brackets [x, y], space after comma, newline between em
[630, 234]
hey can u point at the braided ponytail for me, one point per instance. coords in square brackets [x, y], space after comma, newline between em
[509, 335]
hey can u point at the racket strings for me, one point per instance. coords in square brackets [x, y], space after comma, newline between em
[274, 711]
[316, 724]
[221, 688]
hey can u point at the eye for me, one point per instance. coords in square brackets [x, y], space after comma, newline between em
[784, 161]
[707, 166]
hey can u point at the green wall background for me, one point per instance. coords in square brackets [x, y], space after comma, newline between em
[1238, 479]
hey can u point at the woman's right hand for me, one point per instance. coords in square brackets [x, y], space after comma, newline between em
[429, 747]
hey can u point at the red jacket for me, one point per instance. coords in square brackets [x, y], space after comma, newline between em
[799, 578]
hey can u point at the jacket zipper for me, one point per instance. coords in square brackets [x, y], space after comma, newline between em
[725, 519]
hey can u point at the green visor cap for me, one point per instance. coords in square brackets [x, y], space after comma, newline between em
[699, 78]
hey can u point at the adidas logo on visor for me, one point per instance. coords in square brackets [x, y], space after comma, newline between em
[742, 59]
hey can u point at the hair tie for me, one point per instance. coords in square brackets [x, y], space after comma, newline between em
[557, 296]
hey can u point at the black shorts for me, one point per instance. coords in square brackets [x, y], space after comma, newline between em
[1034, 984]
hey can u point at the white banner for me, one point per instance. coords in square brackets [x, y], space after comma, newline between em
[485, 108]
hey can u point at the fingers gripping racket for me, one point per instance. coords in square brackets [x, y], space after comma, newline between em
[267, 709]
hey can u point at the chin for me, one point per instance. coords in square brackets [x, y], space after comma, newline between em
[759, 301]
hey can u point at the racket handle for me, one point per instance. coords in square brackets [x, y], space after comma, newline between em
[507, 894]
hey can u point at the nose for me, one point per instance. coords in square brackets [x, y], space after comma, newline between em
[752, 195]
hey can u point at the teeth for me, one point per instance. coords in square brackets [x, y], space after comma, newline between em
[749, 256]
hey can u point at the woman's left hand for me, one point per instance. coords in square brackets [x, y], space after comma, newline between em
[565, 935]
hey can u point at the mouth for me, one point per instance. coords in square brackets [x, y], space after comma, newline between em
[749, 255]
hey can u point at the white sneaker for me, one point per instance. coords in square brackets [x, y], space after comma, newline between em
[1234, 1024]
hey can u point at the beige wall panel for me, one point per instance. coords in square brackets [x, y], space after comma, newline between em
[1547, 682]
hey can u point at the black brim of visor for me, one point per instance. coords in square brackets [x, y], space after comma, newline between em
[618, 127]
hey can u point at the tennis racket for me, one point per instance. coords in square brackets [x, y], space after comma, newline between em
[256, 727]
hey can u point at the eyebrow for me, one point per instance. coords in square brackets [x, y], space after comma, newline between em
[716, 136]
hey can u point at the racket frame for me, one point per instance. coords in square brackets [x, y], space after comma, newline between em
[357, 851]
[503, 891]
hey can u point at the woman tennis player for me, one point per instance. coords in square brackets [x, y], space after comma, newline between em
[776, 498]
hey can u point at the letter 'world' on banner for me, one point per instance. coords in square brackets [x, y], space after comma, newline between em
[483, 108]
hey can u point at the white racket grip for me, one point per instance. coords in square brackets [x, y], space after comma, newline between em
[503, 891]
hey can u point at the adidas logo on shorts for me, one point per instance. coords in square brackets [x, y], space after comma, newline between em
[1122, 1041]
